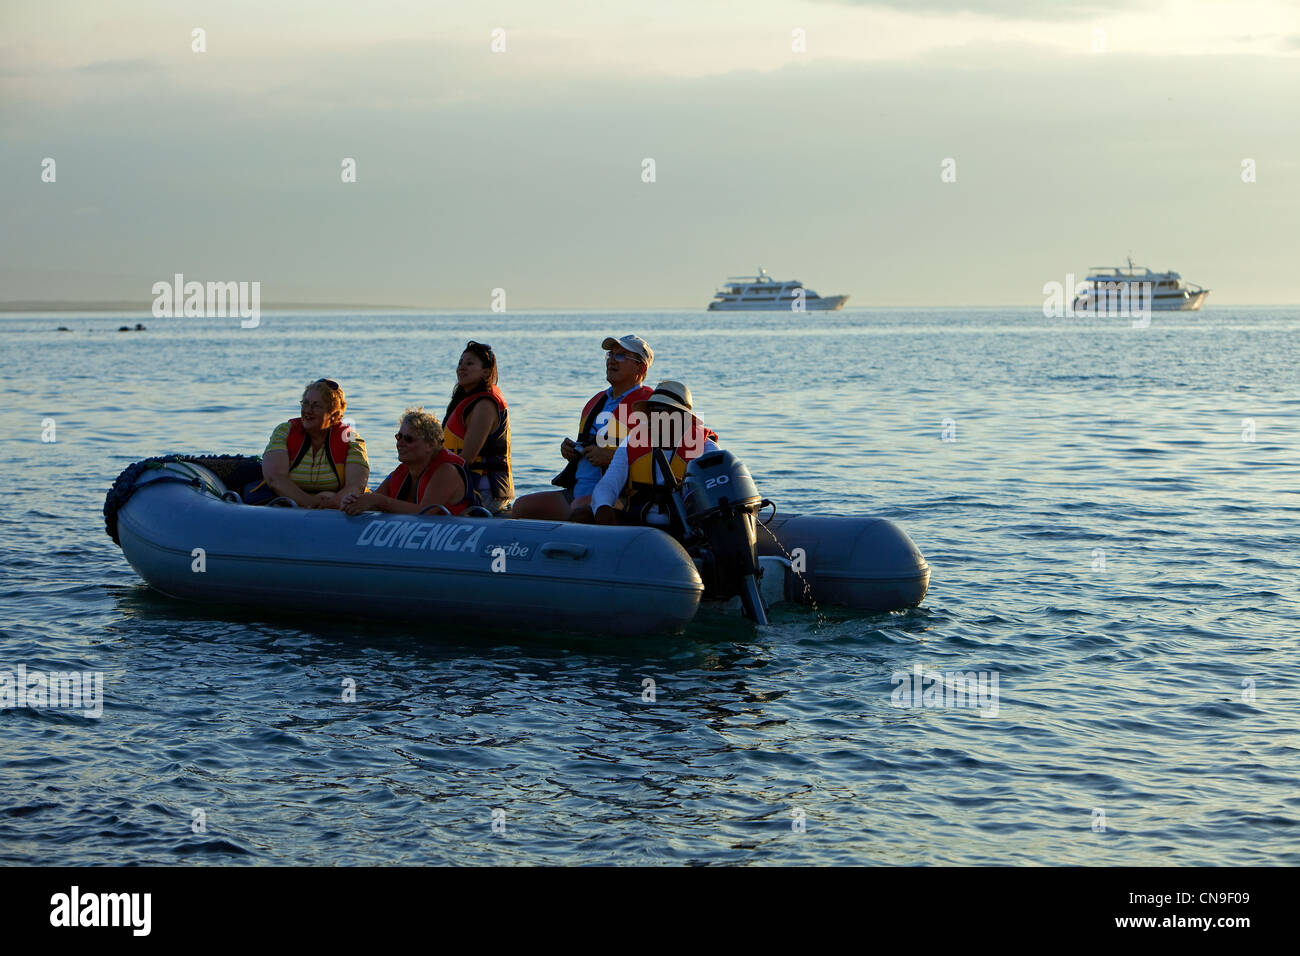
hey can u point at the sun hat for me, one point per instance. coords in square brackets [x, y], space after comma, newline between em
[673, 394]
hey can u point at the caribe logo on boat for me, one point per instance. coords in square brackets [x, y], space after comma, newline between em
[217, 300]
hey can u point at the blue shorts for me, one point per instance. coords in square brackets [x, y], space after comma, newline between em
[583, 489]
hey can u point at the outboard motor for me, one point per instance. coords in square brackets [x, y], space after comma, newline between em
[719, 504]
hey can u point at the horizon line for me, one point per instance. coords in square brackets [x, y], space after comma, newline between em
[129, 308]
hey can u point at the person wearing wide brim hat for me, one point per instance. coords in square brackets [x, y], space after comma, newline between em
[649, 466]
[601, 426]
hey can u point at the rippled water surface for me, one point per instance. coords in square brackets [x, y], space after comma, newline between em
[1103, 539]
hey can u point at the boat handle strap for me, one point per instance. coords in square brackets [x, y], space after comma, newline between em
[563, 549]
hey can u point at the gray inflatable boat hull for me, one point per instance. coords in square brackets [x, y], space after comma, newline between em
[188, 543]
[550, 575]
[865, 563]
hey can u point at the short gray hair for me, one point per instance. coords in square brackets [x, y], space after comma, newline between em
[424, 424]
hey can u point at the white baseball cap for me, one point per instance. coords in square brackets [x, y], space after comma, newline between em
[634, 344]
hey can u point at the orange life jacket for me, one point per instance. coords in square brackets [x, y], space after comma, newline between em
[490, 471]
[617, 427]
[615, 430]
[336, 447]
[400, 483]
[645, 491]
[640, 463]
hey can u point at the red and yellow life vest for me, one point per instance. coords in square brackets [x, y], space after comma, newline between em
[399, 482]
[490, 471]
[610, 435]
[640, 461]
[616, 429]
[645, 493]
[298, 444]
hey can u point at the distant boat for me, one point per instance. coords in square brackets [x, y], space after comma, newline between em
[1168, 291]
[762, 293]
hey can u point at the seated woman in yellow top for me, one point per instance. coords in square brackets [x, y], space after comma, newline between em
[316, 460]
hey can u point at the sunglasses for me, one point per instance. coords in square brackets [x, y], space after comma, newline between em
[403, 437]
[328, 383]
[479, 346]
[623, 356]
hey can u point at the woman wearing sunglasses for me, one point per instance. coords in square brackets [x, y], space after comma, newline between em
[427, 474]
[477, 427]
[315, 460]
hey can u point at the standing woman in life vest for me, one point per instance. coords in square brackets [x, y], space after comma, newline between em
[315, 460]
[477, 427]
[427, 474]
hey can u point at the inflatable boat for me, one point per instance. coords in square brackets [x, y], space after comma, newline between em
[189, 535]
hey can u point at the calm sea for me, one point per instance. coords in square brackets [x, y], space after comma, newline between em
[1112, 528]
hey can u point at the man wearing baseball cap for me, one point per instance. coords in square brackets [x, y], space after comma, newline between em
[601, 427]
[648, 467]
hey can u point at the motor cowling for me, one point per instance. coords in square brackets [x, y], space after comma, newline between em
[718, 482]
[720, 502]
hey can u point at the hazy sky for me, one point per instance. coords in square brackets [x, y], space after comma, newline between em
[523, 169]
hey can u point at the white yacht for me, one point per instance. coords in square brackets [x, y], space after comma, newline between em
[763, 293]
[1168, 290]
